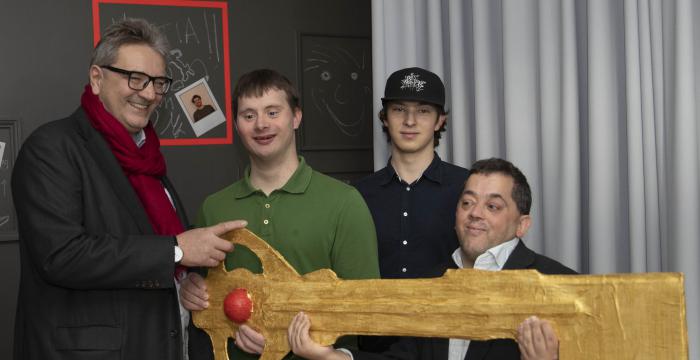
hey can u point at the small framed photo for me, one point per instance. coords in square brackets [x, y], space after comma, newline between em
[10, 141]
[200, 106]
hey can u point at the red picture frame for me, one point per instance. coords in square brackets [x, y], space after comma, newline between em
[223, 7]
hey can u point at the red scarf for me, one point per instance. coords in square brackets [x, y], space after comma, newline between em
[144, 166]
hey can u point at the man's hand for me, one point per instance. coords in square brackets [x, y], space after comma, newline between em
[302, 344]
[537, 340]
[249, 340]
[193, 292]
[204, 247]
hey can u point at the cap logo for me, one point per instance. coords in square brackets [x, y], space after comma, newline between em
[411, 82]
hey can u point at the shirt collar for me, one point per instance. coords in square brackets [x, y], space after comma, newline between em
[139, 138]
[492, 259]
[297, 184]
[433, 172]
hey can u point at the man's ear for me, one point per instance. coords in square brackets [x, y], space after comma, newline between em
[96, 77]
[440, 122]
[523, 225]
[297, 118]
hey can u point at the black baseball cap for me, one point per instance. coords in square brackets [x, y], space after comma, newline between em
[415, 84]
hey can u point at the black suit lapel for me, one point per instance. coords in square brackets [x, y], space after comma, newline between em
[478, 350]
[104, 158]
[520, 258]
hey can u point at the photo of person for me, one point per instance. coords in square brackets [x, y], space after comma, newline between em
[2, 151]
[202, 110]
[200, 107]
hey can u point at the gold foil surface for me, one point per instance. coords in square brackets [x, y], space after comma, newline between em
[615, 316]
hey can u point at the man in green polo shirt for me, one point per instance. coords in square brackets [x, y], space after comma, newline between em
[314, 221]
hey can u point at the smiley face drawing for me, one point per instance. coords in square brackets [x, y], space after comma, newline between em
[340, 88]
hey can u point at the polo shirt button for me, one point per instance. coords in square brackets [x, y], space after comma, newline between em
[266, 221]
[405, 242]
[408, 188]
[267, 206]
[403, 270]
[405, 213]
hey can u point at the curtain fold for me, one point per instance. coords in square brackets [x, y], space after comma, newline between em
[559, 116]
[594, 100]
[461, 74]
[684, 199]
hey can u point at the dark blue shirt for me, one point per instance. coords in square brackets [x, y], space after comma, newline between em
[414, 222]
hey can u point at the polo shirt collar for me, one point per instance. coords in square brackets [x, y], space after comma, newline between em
[300, 180]
[297, 184]
[432, 173]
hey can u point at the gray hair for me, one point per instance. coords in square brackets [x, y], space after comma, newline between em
[126, 32]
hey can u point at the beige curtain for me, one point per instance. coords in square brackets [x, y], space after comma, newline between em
[594, 100]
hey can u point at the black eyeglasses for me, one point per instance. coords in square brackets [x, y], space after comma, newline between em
[139, 81]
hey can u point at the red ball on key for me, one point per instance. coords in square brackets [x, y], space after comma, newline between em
[238, 306]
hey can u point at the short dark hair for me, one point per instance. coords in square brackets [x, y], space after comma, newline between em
[257, 82]
[128, 32]
[521, 189]
[436, 135]
[196, 97]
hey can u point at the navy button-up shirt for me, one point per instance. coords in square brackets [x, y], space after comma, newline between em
[414, 222]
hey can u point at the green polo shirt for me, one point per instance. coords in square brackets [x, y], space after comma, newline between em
[314, 221]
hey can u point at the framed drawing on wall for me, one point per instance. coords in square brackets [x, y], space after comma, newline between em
[199, 40]
[336, 86]
[9, 147]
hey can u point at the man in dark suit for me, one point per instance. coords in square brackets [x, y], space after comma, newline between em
[492, 216]
[101, 229]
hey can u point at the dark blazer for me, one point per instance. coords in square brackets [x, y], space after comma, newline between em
[95, 282]
[414, 348]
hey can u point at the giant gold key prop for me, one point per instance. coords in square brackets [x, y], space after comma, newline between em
[621, 316]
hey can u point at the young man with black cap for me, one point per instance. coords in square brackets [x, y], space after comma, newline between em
[416, 192]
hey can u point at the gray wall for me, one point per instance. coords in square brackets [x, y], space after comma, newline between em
[44, 55]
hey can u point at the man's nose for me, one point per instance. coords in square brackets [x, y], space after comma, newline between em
[410, 118]
[149, 93]
[476, 212]
[261, 123]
